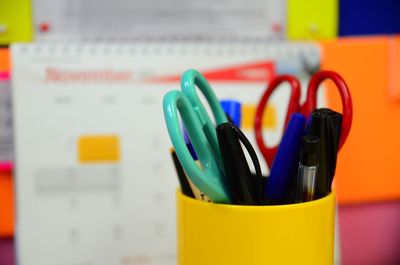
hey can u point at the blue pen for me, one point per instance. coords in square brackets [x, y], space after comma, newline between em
[189, 144]
[286, 161]
[232, 108]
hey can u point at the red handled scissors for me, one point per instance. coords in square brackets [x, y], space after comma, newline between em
[306, 108]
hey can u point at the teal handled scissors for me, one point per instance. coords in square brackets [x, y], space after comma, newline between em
[210, 179]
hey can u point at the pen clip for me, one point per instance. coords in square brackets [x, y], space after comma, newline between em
[243, 139]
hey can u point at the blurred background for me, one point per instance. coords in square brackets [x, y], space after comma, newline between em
[85, 173]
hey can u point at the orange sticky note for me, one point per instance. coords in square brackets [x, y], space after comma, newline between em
[4, 60]
[99, 148]
[249, 112]
[6, 205]
[368, 164]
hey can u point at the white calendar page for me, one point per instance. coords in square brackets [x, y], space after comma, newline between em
[159, 19]
[68, 96]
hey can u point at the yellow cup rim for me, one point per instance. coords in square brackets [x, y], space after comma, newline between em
[200, 203]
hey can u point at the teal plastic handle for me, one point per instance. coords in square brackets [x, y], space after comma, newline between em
[190, 79]
[210, 179]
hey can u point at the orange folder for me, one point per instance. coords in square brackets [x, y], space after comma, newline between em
[6, 205]
[368, 165]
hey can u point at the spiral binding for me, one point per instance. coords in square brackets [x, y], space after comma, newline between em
[218, 49]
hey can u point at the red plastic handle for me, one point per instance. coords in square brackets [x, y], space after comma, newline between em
[269, 152]
[347, 105]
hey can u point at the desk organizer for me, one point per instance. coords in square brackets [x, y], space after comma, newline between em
[218, 234]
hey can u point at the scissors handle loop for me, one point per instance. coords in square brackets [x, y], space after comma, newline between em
[192, 78]
[269, 152]
[347, 107]
[189, 80]
[210, 179]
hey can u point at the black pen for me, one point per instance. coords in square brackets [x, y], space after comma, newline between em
[326, 125]
[238, 174]
[183, 180]
[308, 169]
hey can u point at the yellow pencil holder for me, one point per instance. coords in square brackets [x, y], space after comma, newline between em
[219, 234]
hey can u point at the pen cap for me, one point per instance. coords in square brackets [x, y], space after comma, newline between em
[309, 149]
[283, 173]
[326, 125]
[335, 119]
[233, 109]
[237, 170]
